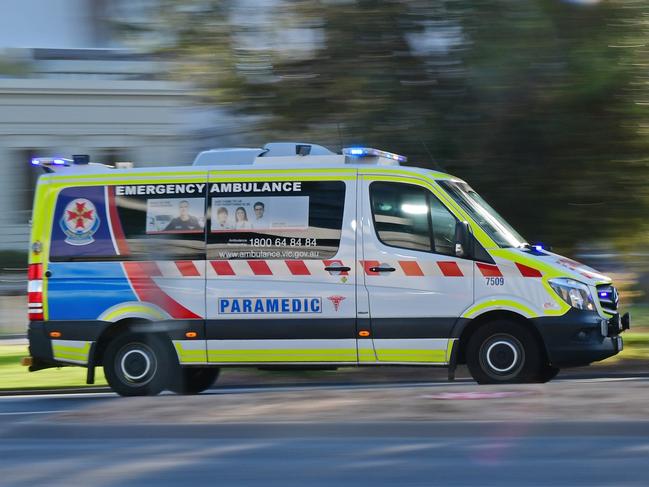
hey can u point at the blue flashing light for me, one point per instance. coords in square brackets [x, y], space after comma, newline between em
[369, 152]
[603, 295]
[539, 248]
[50, 161]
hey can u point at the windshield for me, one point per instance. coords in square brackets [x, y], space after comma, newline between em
[483, 214]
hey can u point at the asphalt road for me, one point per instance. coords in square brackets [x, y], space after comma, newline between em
[570, 432]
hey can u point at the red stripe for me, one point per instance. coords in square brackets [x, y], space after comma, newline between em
[187, 268]
[528, 271]
[328, 263]
[147, 290]
[222, 267]
[297, 267]
[35, 297]
[34, 272]
[450, 269]
[370, 263]
[489, 270]
[116, 224]
[411, 268]
[149, 269]
[260, 268]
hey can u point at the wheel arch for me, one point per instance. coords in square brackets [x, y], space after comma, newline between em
[113, 330]
[466, 328]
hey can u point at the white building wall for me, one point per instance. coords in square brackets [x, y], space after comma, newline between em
[57, 24]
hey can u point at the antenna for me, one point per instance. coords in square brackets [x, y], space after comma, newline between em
[430, 155]
[340, 137]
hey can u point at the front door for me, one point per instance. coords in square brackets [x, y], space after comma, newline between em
[416, 285]
[281, 267]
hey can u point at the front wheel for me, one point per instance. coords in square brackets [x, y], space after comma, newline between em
[137, 364]
[503, 352]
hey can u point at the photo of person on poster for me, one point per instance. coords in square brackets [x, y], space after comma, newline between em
[241, 219]
[184, 221]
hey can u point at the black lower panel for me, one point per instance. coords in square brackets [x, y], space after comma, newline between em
[281, 329]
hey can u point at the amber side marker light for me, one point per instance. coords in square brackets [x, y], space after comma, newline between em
[363, 333]
[55, 334]
[191, 334]
[26, 361]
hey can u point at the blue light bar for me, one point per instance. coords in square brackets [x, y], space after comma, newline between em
[50, 161]
[369, 152]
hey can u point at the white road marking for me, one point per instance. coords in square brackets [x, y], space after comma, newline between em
[16, 413]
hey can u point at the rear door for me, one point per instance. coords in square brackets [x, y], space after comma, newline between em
[417, 287]
[131, 249]
[281, 267]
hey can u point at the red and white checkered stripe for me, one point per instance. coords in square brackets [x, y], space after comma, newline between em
[249, 268]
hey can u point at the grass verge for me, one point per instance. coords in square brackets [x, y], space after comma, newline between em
[14, 376]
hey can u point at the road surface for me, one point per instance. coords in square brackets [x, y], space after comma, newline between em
[576, 431]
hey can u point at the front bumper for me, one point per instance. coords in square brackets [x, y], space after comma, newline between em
[580, 338]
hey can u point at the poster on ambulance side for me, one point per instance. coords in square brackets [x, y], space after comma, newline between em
[266, 213]
[174, 215]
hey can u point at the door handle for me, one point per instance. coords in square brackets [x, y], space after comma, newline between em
[335, 268]
[382, 269]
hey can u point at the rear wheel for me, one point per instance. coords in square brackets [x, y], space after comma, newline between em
[137, 364]
[503, 352]
[193, 380]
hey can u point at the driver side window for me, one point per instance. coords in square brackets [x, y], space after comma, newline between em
[411, 217]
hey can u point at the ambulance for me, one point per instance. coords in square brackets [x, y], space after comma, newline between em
[291, 255]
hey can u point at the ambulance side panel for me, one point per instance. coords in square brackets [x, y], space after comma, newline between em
[276, 241]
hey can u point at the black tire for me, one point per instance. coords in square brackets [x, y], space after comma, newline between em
[193, 380]
[547, 373]
[503, 352]
[137, 364]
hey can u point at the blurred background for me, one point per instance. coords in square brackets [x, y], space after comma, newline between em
[542, 105]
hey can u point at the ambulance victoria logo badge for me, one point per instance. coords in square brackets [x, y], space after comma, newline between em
[79, 222]
[336, 300]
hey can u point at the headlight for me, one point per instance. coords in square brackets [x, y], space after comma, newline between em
[575, 293]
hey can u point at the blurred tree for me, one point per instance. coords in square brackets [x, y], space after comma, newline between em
[541, 105]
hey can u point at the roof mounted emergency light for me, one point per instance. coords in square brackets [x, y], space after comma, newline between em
[369, 152]
[48, 163]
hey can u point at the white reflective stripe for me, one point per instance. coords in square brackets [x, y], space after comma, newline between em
[110, 223]
[411, 343]
[241, 268]
[35, 286]
[34, 305]
[169, 269]
[315, 344]
[191, 344]
[36, 310]
[80, 344]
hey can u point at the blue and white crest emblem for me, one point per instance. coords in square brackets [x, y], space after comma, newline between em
[79, 222]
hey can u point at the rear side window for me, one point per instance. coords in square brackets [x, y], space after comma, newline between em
[275, 219]
[130, 222]
[411, 217]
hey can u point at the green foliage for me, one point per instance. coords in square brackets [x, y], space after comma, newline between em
[541, 105]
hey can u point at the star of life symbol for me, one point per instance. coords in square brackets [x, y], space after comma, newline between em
[336, 300]
[79, 222]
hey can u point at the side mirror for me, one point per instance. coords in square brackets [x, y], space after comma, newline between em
[463, 240]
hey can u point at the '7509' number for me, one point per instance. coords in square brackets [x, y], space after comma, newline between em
[495, 281]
